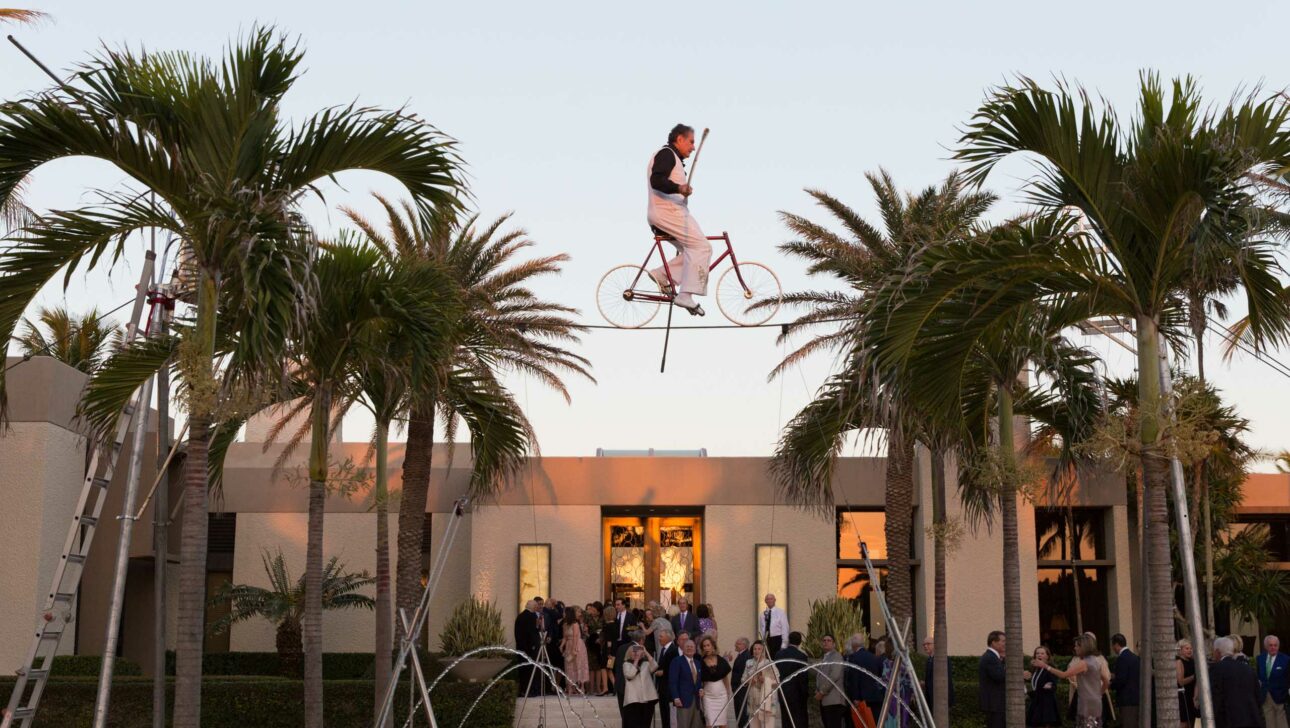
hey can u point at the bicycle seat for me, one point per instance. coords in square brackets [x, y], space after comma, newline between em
[658, 233]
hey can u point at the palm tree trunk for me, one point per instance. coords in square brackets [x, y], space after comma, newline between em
[1198, 324]
[1012, 625]
[900, 520]
[1202, 480]
[313, 611]
[412, 509]
[384, 623]
[1155, 475]
[941, 660]
[191, 629]
[1074, 538]
[290, 648]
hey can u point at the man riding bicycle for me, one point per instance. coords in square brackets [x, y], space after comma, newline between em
[669, 214]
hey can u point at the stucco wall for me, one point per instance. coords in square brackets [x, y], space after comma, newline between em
[454, 585]
[574, 535]
[351, 536]
[730, 535]
[1121, 591]
[40, 479]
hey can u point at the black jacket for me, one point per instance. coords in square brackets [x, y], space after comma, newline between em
[613, 637]
[528, 638]
[929, 688]
[1236, 695]
[860, 686]
[1124, 678]
[737, 673]
[691, 625]
[793, 684]
[794, 692]
[991, 679]
[664, 692]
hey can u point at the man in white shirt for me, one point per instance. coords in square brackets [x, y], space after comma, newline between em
[669, 214]
[772, 628]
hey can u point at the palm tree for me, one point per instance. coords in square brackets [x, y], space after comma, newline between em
[226, 175]
[506, 327]
[359, 295]
[283, 603]
[861, 396]
[973, 379]
[1153, 192]
[79, 342]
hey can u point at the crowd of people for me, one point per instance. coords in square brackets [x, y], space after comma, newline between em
[1102, 694]
[668, 664]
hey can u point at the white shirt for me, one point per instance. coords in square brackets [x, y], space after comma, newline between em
[778, 623]
[996, 652]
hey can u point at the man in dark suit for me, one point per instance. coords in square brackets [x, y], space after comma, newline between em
[991, 679]
[667, 651]
[1235, 688]
[683, 686]
[1124, 681]
[1272, 667]
[737, 667]
[685, 621]
[929, 679]
[861, 686]
[552, 614]
[794, 690]
[528, 639]
[617, 628]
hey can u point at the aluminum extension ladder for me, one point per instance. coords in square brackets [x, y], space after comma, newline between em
[60, 603]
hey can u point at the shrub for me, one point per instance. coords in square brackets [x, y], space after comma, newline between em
[473, 624]
[257, 702]
[836, 616]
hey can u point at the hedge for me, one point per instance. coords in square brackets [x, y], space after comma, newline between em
[89, 665]
[258, 702]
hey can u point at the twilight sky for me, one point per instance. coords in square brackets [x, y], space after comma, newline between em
[559, 105]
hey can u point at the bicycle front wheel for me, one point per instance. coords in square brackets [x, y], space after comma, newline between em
[616, 297]
[752, 301]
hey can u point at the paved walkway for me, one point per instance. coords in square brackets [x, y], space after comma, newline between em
[580, 713]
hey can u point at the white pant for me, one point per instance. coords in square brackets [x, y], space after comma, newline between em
[689, 268]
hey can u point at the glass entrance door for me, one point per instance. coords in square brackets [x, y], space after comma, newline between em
[652, 559]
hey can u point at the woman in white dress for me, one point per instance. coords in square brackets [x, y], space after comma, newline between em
[715, 673]
[763, 681]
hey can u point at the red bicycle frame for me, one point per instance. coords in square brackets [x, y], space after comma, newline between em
[632, 293]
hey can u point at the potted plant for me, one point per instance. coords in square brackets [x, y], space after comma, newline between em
[473, 624]
[837, 616]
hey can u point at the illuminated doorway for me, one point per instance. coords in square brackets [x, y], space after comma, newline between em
[652, 558]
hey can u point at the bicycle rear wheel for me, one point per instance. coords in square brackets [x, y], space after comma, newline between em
[753, 305]
[617, 301]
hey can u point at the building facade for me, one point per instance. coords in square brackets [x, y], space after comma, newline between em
[647, 527]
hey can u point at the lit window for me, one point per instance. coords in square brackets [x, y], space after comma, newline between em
[772, 575]
[534, 572]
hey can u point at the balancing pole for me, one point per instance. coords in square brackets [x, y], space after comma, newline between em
[667, 334]
[689, 178]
